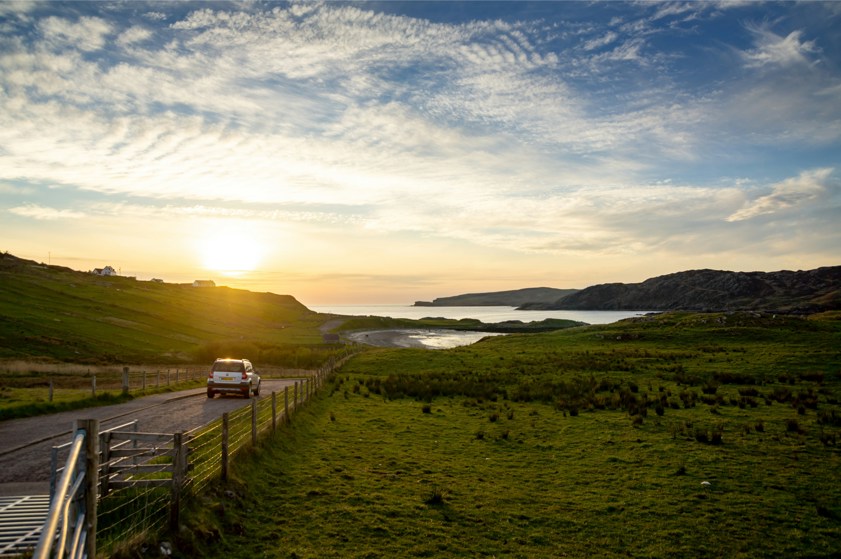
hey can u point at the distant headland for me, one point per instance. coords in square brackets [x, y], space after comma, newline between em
[694, 290]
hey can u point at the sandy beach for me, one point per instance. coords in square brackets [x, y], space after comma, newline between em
[417, 338]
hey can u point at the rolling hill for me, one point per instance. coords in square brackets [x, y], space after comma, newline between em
[713, 290]
[56, 313]
[513, 298]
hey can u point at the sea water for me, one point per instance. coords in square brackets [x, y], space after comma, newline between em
[443, 339]
[485, 314]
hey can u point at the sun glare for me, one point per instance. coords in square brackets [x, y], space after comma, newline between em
[230, 252]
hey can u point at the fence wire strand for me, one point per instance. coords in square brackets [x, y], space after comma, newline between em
[127, 512]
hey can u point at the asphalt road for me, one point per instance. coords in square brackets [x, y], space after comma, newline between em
[25, 443]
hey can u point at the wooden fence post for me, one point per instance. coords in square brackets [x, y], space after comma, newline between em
[286, 404]
[91, 428]
[274, 411]
[51, 390]
[93, 385]
[125, 380]
[179, 469]
[253, 422]
[224, 473]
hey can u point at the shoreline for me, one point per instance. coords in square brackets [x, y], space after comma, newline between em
[417, 338]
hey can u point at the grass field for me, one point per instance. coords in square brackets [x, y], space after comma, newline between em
[55, 314]
[589, 442]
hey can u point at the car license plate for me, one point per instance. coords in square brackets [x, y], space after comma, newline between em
[227, 378]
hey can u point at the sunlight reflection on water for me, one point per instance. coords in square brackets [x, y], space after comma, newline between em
[419, 338]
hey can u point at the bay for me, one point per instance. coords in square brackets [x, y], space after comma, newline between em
[485, 314]
[444, 339]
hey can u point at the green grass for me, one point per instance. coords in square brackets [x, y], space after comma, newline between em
[57, 314]
[552, 445]
[16, 402]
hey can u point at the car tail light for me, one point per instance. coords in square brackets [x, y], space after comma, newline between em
[244, 376]
[210, 374]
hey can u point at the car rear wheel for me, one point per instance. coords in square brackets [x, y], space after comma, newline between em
[210, 394]
[247, 393]
[257, 390]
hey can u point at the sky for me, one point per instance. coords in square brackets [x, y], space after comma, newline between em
[388, 152]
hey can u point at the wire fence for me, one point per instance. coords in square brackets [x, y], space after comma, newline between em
[131, 512]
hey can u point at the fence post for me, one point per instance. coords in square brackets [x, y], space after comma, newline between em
[176, 375]
[179, 461]
[91, 428]
[51, 390]
[105, 441]
[274, 411]
[93, 385]
[125, 380]
[295, 399]
[286, 404]
[167, 377]
[158, 378]
[253, 422]
[144, 381]
[224, 473]
[53, 472]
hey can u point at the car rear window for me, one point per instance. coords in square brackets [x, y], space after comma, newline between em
[228, 367]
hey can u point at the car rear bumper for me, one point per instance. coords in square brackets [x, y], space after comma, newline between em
[228, 386]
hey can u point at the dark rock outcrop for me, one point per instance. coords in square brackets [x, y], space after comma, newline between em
[713, 290]
[512, 298]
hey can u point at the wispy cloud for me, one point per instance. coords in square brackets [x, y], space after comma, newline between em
[86, 34]
[806, 188]
[771, 49]
[35, 211]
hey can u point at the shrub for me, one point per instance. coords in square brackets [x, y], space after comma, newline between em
[792, 426]
[436, 498]
[710, 388]
[812, 376]
[426, 408]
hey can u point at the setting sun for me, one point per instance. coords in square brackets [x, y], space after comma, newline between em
[231, 251]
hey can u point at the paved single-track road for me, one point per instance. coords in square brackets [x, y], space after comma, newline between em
[25, 443]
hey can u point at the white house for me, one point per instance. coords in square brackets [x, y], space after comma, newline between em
[106, 271]
[204, 283]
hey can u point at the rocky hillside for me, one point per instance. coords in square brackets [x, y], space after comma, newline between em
[515, 298]
[713, 290]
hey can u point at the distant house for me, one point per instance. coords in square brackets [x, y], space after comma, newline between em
[204, 283]
[157, 280]
[106, 271]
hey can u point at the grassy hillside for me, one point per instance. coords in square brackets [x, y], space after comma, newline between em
[585, 442]
[57, 313]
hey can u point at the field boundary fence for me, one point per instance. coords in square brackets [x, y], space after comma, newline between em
[144, 479]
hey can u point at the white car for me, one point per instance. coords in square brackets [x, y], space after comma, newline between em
[233, 376]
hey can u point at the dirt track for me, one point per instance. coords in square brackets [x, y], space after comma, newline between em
[25, 443]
